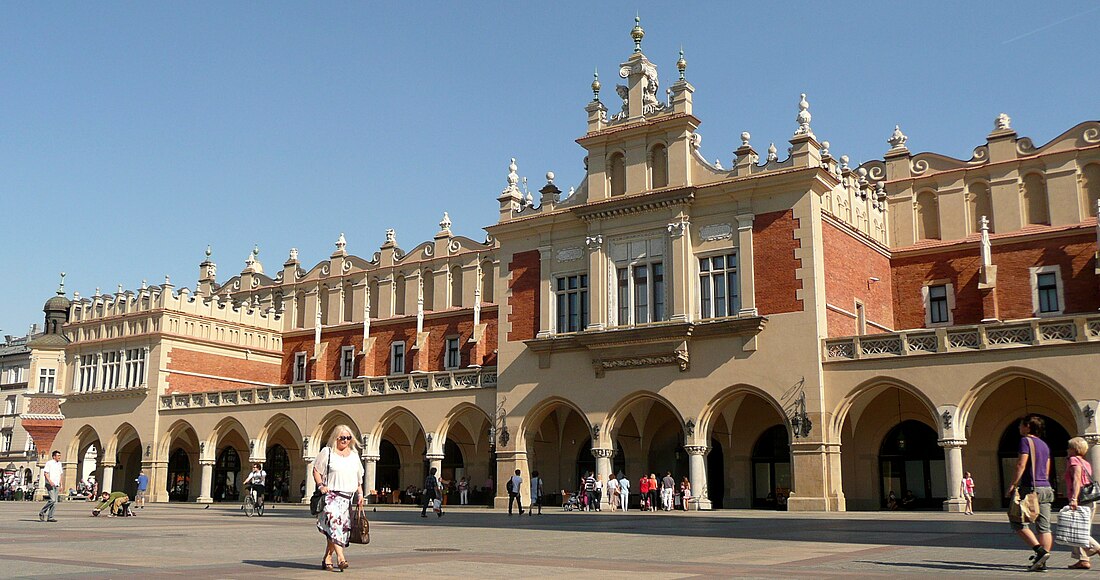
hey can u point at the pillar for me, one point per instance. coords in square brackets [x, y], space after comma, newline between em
[682, 261]
[108, 478]
[435, 460]
[952, 451]
[158, 478]
[603, 462]
[370, 471]
[507, 464]
[206, 481]
[1094, 451]
[697, 474]
[745, 274]
[311, 483]
[598, 281]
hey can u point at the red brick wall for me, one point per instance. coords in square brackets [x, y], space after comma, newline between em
[385, 334]
[523, 300]
[850, 263]
[1074, 253]
[43, 431]
[180, 359]
[774, 262]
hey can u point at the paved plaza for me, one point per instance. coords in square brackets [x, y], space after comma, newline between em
[220, 542]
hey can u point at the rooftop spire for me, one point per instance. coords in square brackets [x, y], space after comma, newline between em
[61, 287]
[804, 117]
[682, 64]
[637, 33]
[596, 85]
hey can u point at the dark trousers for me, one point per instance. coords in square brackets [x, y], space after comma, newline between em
[513, 496]
[429, 497]
[535, 501]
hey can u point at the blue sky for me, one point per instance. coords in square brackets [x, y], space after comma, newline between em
[134, 134]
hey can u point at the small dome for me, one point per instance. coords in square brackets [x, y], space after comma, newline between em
[57, 304]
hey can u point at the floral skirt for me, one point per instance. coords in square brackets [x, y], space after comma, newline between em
[335, 520]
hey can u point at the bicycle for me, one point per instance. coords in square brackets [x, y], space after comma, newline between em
[253, 503]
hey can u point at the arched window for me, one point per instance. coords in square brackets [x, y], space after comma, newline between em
[399, 295]
[658, 166]
[979, 202]
[488, 275]
[372, 287]
[928, 216]
[1090, 187]
[326, 304]
[349, 301]
[429, 288]
[456, 286]
[1035, 199]
[300, 308]
[616, 171]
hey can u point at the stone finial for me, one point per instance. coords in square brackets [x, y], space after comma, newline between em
[513, 177]
[167, 280]
[745, 138]
[681, 64]
[844, 162]
[341, 243]
[97, 292]
[637, 33]
[445, 223]
[209, 251]
[144, 284]
[718, 164]
[572, 190]
[1003, 123]
[804, 117]
[293, 255]
[549, 177]
[772, 153]
[862, 174]
[391, 236]
[596, 85]
[824, 148]
[983, 224]
[530, 200]
[61, 286]
[897, 138]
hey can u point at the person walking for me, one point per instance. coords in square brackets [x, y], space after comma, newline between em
[1033, 475]
[643, 490]
[611, 492]
[668, 488]
[624, 492]
[590, 491]
[515, 484]
[338, 473]
[685, 493]
[432, 492]
[968, 493]
[654, 493]
[536, 494]
[597, 491]
[463, 491]
[52, 474]
[142, 482]
[1079, 474]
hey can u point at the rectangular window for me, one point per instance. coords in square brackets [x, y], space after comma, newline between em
[135, 367]
[624, 295]
[641, 295]
[937, 304]
[454, 355]
[5, 442]
[718, 286]
[347, 362]
[1047, 285]
[299, 367]
[88, 371]
[397, 358]
[658, 291]
[46, 378]
[572, 302]
[9, 405]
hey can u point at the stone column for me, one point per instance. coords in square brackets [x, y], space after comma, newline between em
[745, 273]
[603, 462]
[108, 478]
[508, 462]
[435, 460]
[546, 292]
[697, 474]
[311, 484]
[952, 450]
[680, 305]
[206, 481]
[1094, 451]
[598, 282]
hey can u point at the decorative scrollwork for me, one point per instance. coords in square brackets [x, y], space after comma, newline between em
[919, 166]
[876, 173]
[347, 266]
[1024, 146]
[981, 153]
[324, 270]
[1091, 135]
[454, 247]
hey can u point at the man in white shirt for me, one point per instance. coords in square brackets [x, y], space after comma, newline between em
[624, 491]
[536, 494]
[515, 486]
[51, 474]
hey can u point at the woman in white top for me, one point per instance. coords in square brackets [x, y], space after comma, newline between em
[611, 492]
[338, 473]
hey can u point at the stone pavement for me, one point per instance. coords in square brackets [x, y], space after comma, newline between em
[186, 540]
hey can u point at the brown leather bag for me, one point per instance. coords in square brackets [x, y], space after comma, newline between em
[360, 527]
[1025, 510]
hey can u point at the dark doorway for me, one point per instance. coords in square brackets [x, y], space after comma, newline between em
[771, 469]
[227, 470]
[278, 471]
[716, 475]
[179, 476]
[1056, 437]
[388, 473]
[911, 460]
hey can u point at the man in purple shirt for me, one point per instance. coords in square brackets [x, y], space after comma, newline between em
[1034, 458]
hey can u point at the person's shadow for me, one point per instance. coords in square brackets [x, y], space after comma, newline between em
[954, 566]
[276, 564]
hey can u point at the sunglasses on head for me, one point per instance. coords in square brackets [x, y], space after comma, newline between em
[345, 438]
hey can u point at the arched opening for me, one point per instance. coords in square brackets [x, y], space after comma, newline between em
[456, 286]
[1090, 188]
[616, 171]
[980, 203]
[227, 471]
[1035, 199]
[586, 462]
[388, 472]
[300, 308]
[716, 476]
[488, 276]
[467, 452]
[911, 467]
[128, 466]
[86, 450]
[325, 303]
[372, 287]
[179, 476]
[429, 288]
[555, 431]
[771, 469]
[399, 296]
[282, 441]
[928, 216]
[1056, 437]
[278, 473]
[401, 431]
[651, 436]
[348, 294]
[659, 166]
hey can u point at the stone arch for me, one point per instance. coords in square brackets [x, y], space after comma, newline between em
[464, 438]
[658, 165]
[180, 428]
[534, 417]
[718, 402]
[988, 385]
[273, 425]
[318, 438]
[650, 432]
[404, 431]
[928, 215]
[123, 435]
[225, 428]
[860, 394]
[979, 202]
[455, 415]
[182, 481]
[1090, 188]
[1036, 210]
[85, 436]
[552, 434]
[623, 407]
[127, 453]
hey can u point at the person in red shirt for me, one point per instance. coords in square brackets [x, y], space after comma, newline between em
[643, 488]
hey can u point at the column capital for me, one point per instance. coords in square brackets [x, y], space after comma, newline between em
[107, 464]
[371, 458]
[678, 228]
[744, 221]
[206, 462]
[697, 449]
[434, 456]
[603, 453]
[593, 242]
[952, 443]
[1092, 438]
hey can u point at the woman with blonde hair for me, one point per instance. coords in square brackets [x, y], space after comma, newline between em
[1079, 473]
[338, 473]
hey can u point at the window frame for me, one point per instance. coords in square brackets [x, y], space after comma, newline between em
[347, 367]
[448, 363]
[732, 292]
[562, 293]
[47, 380]
[926, 298]
[656, 291]
[301, 367]
[397, 352]
[1059, 288]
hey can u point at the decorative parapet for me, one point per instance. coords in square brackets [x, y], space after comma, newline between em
[102, 394]
[484, 378]
[971, 338]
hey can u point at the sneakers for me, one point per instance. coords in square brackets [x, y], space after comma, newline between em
[52, 520]
[1038, 561]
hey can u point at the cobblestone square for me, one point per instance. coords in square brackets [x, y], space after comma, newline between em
[220, 542]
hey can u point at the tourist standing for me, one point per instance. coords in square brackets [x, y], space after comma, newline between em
[598, 493]
[1033, 475]
[668, 488]
[1078, 474]
[338, 473]
[653, 492]
[142, 488]
[463, 491]
[590, 491]
[431, 493]
[685, 493]
[51, 474]
[624, 492]
[611, 492]
[515, 484]
[643, 490]
[536, 494]
[968, 493]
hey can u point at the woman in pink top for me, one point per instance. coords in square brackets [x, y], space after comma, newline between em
[1078, 473]
[968, 493]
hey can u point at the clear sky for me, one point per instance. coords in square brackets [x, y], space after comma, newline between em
[134, 134]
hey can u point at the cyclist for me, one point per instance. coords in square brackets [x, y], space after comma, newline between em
[254, 482]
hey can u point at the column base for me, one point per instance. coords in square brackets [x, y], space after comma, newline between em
[809, 504]
[955, 505]
[204, 500]
[700, 504]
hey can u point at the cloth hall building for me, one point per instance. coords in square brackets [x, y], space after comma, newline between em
[783, 332]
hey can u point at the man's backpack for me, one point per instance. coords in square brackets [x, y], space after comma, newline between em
[509, 485]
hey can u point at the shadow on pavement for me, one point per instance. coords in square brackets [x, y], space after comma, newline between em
[955, 566]
[274, 564]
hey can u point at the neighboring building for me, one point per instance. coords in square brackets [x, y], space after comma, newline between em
[790, 332]
[17, 452]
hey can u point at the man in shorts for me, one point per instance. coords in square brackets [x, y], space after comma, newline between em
[142, 488]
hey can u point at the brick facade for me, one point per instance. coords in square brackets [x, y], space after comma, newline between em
[851, 261]
[774, 262]
[523, 295]
[226, 368]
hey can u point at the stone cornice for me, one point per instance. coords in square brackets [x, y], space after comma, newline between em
[637, 203]
[105, 395]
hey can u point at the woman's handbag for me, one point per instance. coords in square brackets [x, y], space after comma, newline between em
[1090, 492]
[1024, 510]
[1073, 527]
[317, 500]
[360, 527]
